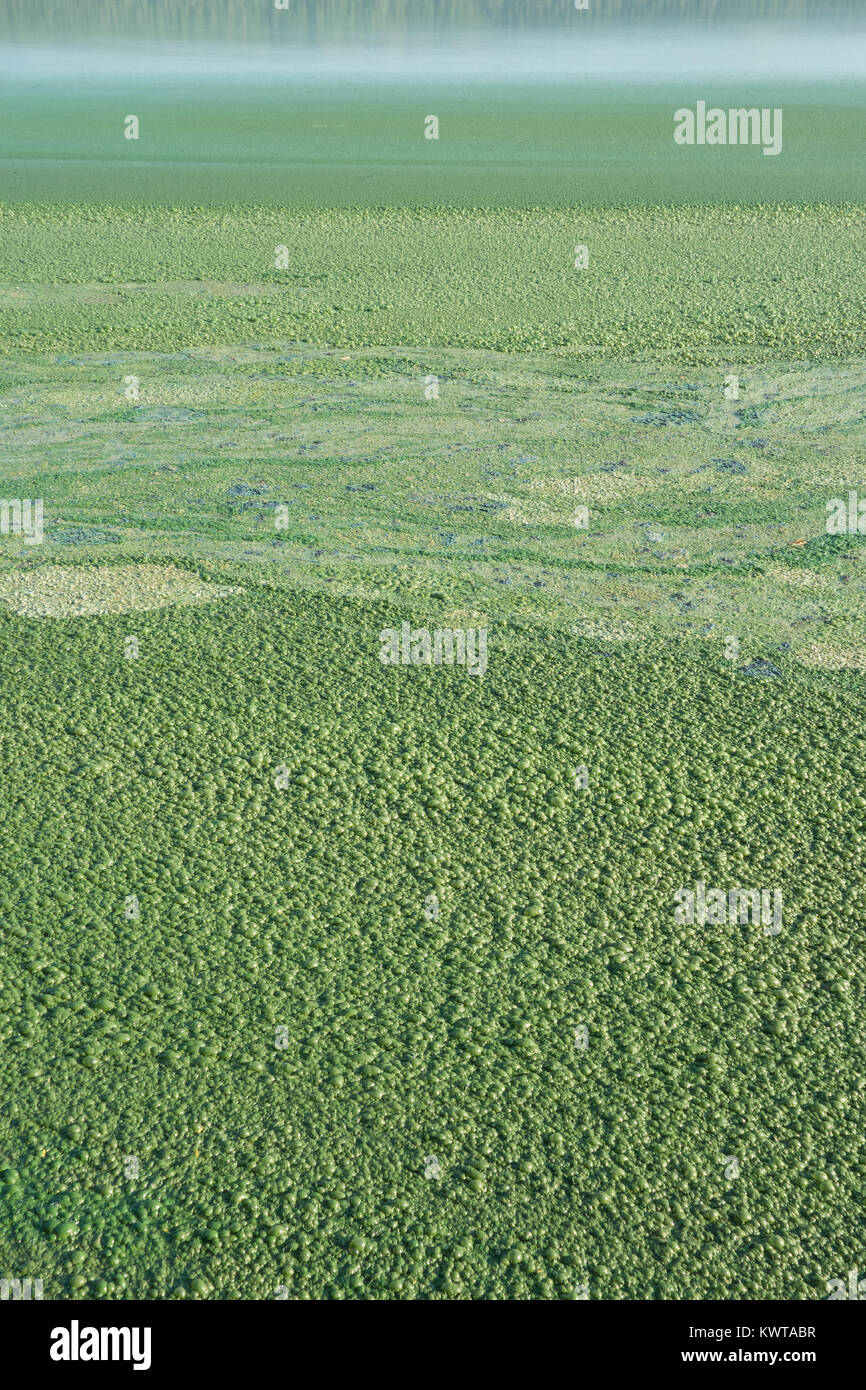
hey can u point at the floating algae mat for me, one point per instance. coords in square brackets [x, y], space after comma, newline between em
[67, 591]
[350, 988]
[322, 978]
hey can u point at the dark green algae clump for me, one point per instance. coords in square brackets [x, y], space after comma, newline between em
[245, 1057]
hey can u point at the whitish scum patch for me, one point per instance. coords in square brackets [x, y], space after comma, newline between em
[67, 591]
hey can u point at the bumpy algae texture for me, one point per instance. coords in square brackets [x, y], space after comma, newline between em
[322, 978]
[705, 283]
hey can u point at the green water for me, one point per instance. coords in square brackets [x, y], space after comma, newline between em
[328, 106]
[334, 145]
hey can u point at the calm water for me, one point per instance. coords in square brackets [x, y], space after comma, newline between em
[573, 113]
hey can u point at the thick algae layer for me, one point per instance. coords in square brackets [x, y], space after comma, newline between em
[703, 283]
[245, 1055]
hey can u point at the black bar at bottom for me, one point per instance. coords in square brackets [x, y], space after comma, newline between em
[162, 1341]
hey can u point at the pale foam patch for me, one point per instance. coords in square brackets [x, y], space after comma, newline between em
[833, 658]
[69, 591]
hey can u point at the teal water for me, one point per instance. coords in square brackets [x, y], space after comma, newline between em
[510, 144]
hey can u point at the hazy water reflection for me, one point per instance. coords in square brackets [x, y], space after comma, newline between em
[619, 54]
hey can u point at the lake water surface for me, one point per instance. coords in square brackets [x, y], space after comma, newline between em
[545, 115]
